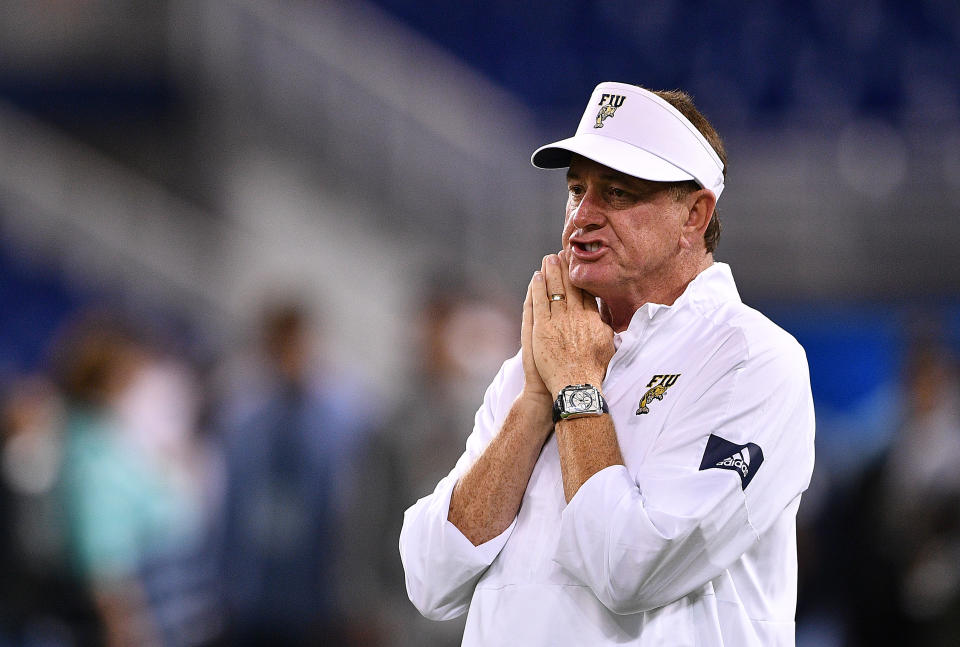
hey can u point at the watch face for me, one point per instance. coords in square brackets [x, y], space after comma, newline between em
[578, 400]
[582, 400]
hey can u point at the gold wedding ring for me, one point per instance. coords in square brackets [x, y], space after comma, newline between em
[557, 296]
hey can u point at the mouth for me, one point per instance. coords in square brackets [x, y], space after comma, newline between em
[587, 250]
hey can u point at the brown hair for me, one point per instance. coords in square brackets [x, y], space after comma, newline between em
[93, 356]
[684, 103]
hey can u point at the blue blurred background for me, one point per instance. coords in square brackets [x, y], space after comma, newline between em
[217, 215]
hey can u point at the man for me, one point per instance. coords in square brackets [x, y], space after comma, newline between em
[634, 473]
[293, 438]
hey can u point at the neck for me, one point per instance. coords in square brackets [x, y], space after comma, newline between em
[618, 311]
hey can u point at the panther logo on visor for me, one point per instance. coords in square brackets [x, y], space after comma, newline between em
[608, 106]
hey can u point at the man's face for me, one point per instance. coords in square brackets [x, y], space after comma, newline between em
[622, 234]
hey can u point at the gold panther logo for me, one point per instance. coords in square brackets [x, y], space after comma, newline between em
[608, 106]
[606, 111]
[657, 388]
[656, 393]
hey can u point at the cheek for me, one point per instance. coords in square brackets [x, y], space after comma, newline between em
[567, 228]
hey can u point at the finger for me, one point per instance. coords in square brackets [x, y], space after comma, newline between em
[554, 278]
[590, 302]
[574, 294]
[532, 380]
[538, 291]
[526, 325]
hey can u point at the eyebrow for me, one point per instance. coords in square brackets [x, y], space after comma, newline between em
[637, 183]
[610, 176]
[617, 177]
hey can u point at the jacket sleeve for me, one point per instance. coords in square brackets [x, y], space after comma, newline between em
[646, 536]
[441, 565]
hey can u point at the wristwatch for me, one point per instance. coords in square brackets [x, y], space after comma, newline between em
[577, 401]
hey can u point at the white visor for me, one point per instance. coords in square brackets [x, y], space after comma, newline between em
[634, 131]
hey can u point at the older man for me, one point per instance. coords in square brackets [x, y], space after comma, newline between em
[634, 473]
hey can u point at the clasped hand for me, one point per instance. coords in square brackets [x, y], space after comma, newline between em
[564, 339]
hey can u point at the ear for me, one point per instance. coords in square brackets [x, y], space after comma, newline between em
[698, 210]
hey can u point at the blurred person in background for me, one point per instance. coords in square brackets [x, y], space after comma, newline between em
[160, 410]
[124, 512]
[460, 332]
[160, 407]
[293, 431]
[903, 521]
[42, 602]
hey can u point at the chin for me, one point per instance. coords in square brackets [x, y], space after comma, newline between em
[587, 280]
[578, 276]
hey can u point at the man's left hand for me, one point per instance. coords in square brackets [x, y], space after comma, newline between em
[571, 344]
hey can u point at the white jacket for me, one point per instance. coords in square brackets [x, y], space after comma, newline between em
[693, 542]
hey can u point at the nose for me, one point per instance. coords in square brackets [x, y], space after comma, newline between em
[589, 213]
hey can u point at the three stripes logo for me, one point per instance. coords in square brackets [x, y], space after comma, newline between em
[745, 460]
[740, 461]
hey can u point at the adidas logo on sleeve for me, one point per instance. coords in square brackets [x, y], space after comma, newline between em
[745, 460]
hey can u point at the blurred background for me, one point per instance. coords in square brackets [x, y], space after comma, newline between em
[259, 259]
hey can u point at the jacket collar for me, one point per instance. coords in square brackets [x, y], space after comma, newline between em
[711, 288]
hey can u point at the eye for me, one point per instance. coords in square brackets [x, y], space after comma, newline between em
[575, 190]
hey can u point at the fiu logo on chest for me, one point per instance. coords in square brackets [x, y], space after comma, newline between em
[608, 105]
[656, 389]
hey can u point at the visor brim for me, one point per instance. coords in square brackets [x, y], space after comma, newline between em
[613, 153]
